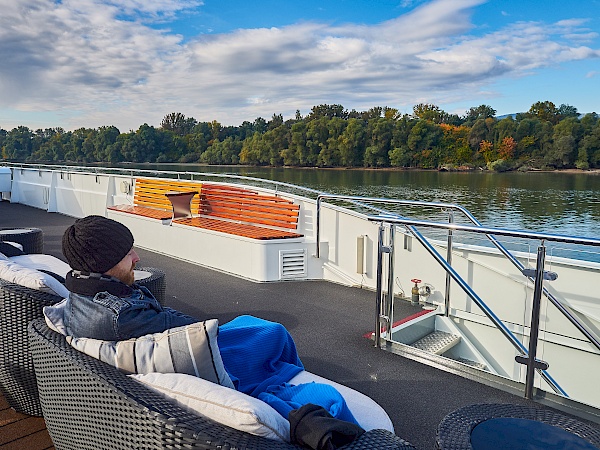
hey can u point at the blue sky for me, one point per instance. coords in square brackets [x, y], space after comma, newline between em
[90, 63]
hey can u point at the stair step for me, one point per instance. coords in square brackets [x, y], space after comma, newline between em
[437, 342]
[471, 363]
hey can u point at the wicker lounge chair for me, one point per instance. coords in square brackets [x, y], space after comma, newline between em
[32, 239]
[88, 404]
[19, 305]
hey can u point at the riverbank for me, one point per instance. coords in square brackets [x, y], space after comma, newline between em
[461, 169]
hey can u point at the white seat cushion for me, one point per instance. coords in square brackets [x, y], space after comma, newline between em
[221, 404]
[13, 272]
[365, 410]
[44, 262]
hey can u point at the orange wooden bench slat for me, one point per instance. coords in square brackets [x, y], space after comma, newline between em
[249, 214]
[150, 192]
[237, 229]
[253, 220]
[251, 202]
[142, 211]
[211, 193]
[247, 207]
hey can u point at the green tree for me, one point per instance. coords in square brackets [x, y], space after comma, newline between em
[223, 152]
[479, 112]
[562, 153]
[482, 130]
[589, 149]
[426, 111]
[330, 154]
[565, 111]
[178, 123]
[545, 111]
[18, 144]
[505, 128]
[328, 111]
[380, 133]
[401, 155]
[352, 143]
[317, 133]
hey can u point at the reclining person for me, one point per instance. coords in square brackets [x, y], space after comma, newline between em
[106, 304]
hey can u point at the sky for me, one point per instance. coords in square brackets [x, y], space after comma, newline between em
[93, 63]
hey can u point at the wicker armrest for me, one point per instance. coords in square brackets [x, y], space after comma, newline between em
[19, 306]
[32, 239]
[88, 404]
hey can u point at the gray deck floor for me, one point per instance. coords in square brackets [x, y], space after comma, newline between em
[327, 321]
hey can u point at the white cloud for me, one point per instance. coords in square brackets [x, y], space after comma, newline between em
[99, 63]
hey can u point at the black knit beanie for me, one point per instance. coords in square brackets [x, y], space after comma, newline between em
[96, 244]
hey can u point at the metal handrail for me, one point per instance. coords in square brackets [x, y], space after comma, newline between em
[131, 172]
[491, 230]
[473, 295]
[358, 200]
[411, 224]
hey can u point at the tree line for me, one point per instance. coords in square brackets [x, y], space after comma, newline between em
[545, 137]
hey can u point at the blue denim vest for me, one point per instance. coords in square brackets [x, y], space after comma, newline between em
[112, 318]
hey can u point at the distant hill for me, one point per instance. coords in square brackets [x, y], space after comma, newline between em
[514, 115]
[504, 116]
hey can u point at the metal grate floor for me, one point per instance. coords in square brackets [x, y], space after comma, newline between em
[437, 342]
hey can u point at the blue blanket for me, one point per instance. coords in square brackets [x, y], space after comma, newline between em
[257, 354]
[287, 397]
[261, 357]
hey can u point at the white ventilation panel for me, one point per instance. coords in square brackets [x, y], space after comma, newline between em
[292, 264]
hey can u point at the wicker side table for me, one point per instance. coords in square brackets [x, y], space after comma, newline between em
[154, 280]
[454, 431]
[32, 239]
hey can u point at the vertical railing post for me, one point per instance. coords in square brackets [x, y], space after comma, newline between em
[449, 260]
[378, 286]
[535, 321]
[390, 284]
[318, 230]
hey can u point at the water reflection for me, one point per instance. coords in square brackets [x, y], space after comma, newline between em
[558, 203]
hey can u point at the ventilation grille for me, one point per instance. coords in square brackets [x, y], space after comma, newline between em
[292, 264]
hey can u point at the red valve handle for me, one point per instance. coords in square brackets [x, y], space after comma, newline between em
[415, 280]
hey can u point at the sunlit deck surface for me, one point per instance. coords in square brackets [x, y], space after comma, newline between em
[327, 321]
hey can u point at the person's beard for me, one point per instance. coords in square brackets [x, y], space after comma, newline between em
[127, 276]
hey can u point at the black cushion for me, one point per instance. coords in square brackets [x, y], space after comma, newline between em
[10, 250]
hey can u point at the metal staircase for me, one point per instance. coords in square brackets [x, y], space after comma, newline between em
[437, 342]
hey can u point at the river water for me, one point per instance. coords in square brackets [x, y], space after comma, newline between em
[558, 203]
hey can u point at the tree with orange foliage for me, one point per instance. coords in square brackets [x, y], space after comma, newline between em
[486, 148]
[506, 150]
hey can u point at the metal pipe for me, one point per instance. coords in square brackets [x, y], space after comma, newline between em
[318, 230]
[535, 321]
[379, 289]
[449, 259]
[390, 287]
[490, 230]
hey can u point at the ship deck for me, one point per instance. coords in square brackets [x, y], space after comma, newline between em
[327, 321]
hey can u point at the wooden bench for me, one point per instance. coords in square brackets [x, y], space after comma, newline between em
[149, 199]
[227, 209]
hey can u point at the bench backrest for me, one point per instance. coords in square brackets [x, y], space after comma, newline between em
[151, 193]
[244, 205]
[230, 203]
